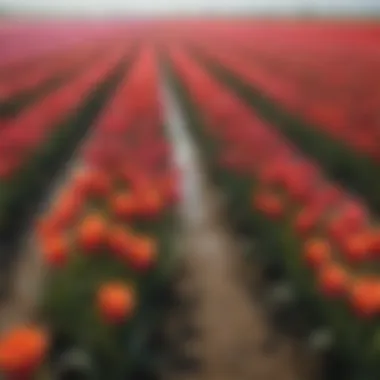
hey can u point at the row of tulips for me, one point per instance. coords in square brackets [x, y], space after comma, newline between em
[357, 168]
[310, 80]
[36, 142]
[25, 44]
[324, 240]
[340, 98]
[16, 92]
[106, 244]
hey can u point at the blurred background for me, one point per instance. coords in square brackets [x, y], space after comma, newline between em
[338, 8]
[189, 190]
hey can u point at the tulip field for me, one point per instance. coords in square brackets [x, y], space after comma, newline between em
[285, 118]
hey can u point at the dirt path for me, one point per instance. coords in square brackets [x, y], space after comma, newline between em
[230, 331]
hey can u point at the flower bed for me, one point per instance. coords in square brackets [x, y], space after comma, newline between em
[18, 92]
[324, 239]
[107, 244]
[36, 143]
[354, 163]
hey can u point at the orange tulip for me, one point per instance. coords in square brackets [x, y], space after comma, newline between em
[333, 280]
[317, 252]
[92, 233]
[150, 203]
[116, 302]
[22, 351]
[124, 205]
[143, 253]
[357, 247]
[365, 297]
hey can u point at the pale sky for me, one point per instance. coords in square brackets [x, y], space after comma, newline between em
[193, 6]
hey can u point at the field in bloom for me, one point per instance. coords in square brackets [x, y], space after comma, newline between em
[285, 116]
